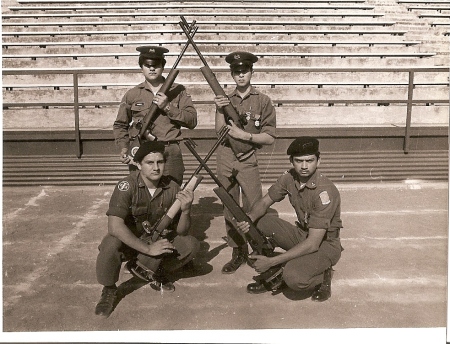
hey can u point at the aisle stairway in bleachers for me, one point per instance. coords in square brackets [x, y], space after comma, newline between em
[331, 64]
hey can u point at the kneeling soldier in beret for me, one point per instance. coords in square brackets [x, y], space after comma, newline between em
[312, 246]
[140, 198]
[258, 119]
[176, 110]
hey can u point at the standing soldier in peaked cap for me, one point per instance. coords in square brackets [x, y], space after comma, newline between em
[176, 110]
[258, 120]
[312, 246]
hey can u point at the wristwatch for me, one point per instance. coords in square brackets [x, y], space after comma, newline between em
[167, 108]
[251, 137]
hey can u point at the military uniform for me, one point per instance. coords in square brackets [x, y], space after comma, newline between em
[131, 201]
[317, 204]
[243, 176]
[257, 115]
[166, 128]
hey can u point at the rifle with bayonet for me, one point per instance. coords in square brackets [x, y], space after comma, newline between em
[241, 149]
[271, 278]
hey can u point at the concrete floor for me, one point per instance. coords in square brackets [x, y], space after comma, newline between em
[391, 280]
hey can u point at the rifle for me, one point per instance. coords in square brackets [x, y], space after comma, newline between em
[242, 149]
[152, 114]
[146, 266]
[272, 278]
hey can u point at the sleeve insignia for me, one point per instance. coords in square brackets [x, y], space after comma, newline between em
[124, 186]
[325, 199]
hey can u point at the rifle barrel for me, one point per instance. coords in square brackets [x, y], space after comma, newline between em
[183, 25]
[192, 30]
[223, 133]
[203, 164]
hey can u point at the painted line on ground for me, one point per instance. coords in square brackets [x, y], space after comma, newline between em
[32, 202]
[27, 287]
[397, 238]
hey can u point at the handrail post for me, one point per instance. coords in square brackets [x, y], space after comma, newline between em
[408, 113]
[76, 109]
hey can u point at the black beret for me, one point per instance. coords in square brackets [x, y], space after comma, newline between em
[240, 59]
[148, 147]
[152, 52]
[304, 146]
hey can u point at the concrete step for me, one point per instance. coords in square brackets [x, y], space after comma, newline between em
[336, 61]
[193, 76]
[340, 167]
[288, 116]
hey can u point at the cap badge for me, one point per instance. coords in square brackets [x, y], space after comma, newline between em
[151, 50]
[237, 57]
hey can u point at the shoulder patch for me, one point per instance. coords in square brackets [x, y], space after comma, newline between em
[324, 198]
[286, 172]
[124, 186]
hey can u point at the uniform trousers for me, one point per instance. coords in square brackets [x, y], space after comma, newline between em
[305, 272]
[174, 164]
[113, 252]
[238, 177]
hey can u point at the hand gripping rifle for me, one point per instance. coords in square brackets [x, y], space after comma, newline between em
[152, 114]
[241, 149]
[271, 278]
[146, 266]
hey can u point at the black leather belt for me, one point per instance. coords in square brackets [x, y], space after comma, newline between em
[168, 143]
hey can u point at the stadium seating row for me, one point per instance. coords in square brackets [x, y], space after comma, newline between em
[347, 34]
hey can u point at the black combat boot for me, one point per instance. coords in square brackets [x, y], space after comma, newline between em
[238, 258]
[256, 288]
[323, 293]
[107, 302]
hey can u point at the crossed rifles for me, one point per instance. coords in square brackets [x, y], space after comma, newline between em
[260, 244]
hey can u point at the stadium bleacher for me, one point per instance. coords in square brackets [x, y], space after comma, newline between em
[368, 77]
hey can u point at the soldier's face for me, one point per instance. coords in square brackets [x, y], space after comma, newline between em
[305, 165]
[152, 166]
[242, 77]
[152, 69]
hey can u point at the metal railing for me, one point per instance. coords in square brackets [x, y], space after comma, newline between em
[76, 104]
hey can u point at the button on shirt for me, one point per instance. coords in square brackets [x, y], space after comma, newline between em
[317, 203]
[135, 104]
